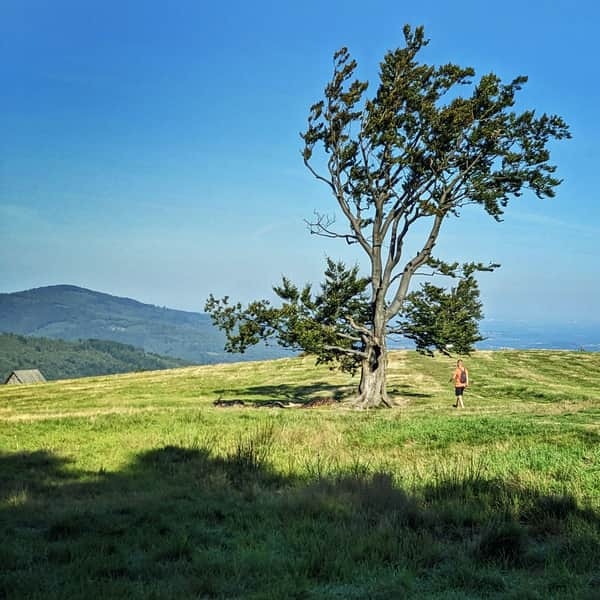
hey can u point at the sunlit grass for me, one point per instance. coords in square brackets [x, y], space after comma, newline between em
[137, 486]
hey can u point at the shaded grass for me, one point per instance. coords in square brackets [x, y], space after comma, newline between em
[182, 522]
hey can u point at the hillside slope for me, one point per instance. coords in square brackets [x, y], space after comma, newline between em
[59, 359]
[73, 313]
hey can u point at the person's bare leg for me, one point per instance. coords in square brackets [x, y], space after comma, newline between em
[459, 401]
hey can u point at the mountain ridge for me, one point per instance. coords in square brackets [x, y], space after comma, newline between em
[70, 312]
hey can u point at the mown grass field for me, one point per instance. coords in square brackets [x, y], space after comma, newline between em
[136, 486]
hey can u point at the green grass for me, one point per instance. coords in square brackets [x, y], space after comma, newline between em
[136, 486]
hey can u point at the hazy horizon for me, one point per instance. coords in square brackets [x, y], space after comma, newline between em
[568, 333]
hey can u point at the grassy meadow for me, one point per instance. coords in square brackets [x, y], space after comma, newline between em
[135, 486]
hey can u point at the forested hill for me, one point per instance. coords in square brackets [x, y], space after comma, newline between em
[74, 313]
[58, 359]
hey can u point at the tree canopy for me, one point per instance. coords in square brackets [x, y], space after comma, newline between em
[428, 143]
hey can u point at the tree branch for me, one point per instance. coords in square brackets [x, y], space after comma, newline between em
[421, 257]
[346, 336]
[318, 176]
[349, 351]
[360, 328]
[321, 227]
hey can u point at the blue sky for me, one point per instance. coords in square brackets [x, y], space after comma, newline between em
[151, 150]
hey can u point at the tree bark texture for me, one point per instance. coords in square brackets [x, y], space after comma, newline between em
[372, 392]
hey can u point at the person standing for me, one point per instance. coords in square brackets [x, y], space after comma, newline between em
[461, 381]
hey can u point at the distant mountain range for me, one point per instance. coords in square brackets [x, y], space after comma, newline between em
[58, 359]
[73, 313]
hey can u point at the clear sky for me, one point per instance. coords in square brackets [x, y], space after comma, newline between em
[151, 149]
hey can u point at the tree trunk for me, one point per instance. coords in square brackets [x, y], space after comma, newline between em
[372, 387]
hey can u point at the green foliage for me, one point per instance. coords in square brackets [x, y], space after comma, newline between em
[325, 324]
[319, 323]
[59, 359]
[447, 321]
[418, 144]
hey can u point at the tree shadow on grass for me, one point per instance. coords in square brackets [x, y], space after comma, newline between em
[405, 390]
[301, 393]
[185, 523]
[304, 393]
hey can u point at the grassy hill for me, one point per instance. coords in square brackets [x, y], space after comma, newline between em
[58, 359]
[136, 486]
[74, 313]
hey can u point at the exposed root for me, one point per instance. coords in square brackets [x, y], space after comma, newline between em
[318, 402]
[364, 403]
[227, 403]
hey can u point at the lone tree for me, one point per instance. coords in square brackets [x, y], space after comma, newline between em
[416, 152]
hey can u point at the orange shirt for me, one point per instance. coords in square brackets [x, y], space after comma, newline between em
[456, 377]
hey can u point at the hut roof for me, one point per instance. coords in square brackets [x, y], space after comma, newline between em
[27, 376]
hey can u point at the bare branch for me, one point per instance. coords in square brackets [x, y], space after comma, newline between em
[354, 223]
[322, 225]
[432, 274]
[318, 176]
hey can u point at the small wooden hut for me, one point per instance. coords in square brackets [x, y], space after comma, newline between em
[25, 376]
